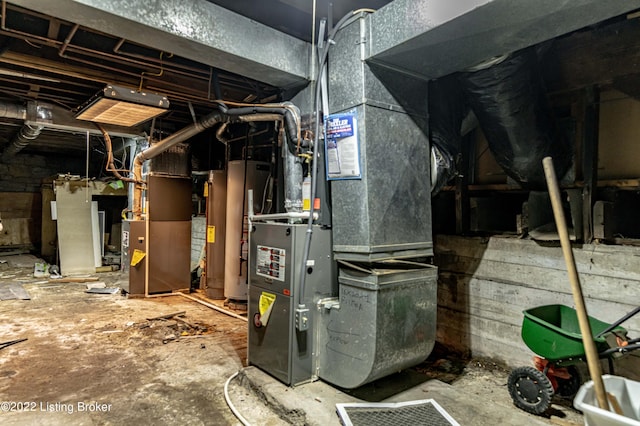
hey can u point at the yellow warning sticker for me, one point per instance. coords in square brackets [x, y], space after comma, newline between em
[137, 256]
[265, 305]
[211, 234]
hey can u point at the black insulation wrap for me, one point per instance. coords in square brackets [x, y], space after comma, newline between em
[446, 112]
[510, 102]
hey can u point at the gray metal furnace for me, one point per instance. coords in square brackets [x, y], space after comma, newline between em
[281, 336]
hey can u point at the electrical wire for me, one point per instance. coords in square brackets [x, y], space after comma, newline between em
[227, 398]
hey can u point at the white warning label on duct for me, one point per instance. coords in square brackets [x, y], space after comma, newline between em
[270, 262]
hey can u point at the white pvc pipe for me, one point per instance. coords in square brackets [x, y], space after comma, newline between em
[212, 306]
[230, 404]
[202, 302]
[279, 216]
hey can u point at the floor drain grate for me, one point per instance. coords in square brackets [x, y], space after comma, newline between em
[425, 412]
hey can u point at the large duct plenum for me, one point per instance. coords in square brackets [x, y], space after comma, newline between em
[510, 102]
[385, 321]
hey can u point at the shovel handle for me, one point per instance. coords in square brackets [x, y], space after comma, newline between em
[593, 360]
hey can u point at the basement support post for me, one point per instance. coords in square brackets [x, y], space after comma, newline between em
[591, 114]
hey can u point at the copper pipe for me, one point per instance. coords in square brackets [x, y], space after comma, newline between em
[110, 167]
[68, 40]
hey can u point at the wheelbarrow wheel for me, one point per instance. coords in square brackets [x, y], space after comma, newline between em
[530, 390]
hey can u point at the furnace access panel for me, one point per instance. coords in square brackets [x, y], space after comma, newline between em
[276, 345]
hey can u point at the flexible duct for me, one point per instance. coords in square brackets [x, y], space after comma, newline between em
[510, 103]
[25, 135]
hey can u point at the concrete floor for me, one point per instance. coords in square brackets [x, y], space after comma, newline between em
[94, 359]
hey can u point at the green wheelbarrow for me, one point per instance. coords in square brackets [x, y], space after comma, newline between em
[552, 332]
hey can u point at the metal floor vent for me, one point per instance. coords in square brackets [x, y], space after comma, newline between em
[425, 412]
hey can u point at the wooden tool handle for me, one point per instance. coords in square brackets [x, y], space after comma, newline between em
[593, 360]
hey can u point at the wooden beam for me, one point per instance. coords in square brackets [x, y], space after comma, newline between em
[599, 56]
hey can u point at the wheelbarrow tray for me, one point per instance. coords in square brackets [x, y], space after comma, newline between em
[553, 332]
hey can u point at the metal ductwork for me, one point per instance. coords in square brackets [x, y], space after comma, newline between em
[33, 114]
[292, 165]
[286, 112]
[384, 319]
[25, 135]
[12, 110]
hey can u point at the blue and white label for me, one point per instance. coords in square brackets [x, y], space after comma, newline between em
[341, 146]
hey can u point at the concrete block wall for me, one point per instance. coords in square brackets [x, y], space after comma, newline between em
[485, 283]
[24, 172]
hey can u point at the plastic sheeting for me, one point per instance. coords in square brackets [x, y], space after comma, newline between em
[446, 112]
[510, 102]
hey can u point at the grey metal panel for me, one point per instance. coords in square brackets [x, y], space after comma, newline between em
[433, 38]
[389, 209]
[353, 82]
[270, 345]
[385, 322]
[195, 29]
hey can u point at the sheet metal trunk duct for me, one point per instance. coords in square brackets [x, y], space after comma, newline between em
[385, 321]
[387, 213]
[510, 102]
